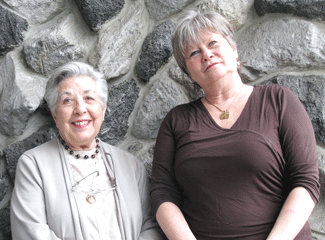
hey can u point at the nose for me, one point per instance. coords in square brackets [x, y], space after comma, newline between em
[80, 108]
[206, 55]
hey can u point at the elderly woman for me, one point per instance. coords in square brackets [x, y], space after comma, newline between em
[239, 163]
[75, 186]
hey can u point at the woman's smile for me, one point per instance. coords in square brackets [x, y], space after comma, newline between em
[79, 112]
[81, 124]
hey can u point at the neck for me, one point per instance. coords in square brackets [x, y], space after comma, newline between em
[81, 146]
[223, 90]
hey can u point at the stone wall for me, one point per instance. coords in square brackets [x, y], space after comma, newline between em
[280, 42]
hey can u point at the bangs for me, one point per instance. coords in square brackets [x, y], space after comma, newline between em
[191, 33]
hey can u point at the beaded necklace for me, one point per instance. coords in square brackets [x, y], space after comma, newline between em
[78, 156]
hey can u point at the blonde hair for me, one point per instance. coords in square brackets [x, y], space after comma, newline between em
[191, 25]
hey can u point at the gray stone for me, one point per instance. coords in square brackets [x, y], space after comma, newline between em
[194, 91]
[135, 147]
[235, 11]
[21, 95]
[5, 220]
[281, 44]
[31, 9]
[4, 178]
[163, 96]
[51, 47]
[97, 12]
[321, 156]
[147, 159]
[4, 236]
[115, 50]
[15, 150]
[12, 27]
[120, 104]
[160, 9]
[305, 8]
[311, 91]
[156, 50]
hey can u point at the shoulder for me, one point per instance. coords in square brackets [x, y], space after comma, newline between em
[38, 159]
[110, 148]
[123, 156]
[274, 89]
[43, 149]
[276, 94]
[184, 110]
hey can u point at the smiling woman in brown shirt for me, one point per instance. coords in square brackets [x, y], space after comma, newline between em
[240, 163]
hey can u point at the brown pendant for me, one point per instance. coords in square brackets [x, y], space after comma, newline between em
[224, 115]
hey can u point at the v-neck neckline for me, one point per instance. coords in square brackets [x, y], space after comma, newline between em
[239, 117]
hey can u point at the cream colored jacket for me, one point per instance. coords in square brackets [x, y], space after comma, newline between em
[44, 207]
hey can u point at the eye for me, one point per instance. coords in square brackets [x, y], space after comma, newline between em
[67, 100]
[213, 43]
[194, 53]
[90, 98]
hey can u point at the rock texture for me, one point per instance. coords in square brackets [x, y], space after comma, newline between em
[160, 9]
[156, 50]
[303, 8]
[4, 178]
[120, 104]
[20, 96]
[279, 42]
[31, 9]
[300, 48]
[12, 28]
[235, 11]
[115, 50]
[5, 222]
[163, 96]
[310, 90]
[55, 45]
[97, 12]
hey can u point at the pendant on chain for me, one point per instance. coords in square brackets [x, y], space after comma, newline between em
[91, 199]
[224, 115]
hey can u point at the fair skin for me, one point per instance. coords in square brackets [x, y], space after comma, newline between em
[79, 112]
[212, 63]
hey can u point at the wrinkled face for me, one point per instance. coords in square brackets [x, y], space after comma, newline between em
[211, 58]
[79, 112]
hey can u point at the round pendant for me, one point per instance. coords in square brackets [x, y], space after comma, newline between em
[91, 199]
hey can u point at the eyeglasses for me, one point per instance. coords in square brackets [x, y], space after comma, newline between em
[111, 174]
[75, 187]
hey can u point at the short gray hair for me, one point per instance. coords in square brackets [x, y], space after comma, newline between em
[191, 25]
[74, 69]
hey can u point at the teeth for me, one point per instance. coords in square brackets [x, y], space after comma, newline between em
[81, 123]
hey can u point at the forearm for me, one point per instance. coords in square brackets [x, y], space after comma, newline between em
[293, 216]
[173, 223]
